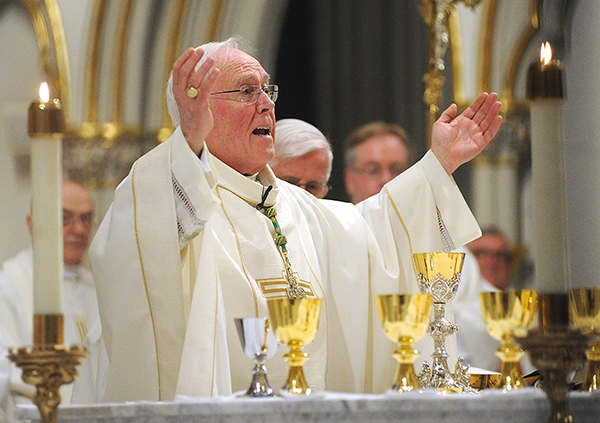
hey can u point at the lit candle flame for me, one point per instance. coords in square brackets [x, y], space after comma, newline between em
[44, 92]
[546, 53]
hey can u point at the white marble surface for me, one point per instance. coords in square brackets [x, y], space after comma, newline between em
[523, 406]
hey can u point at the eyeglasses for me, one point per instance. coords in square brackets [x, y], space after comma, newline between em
[87, 220]
[491, 254]
[318, 189]
[249, 93]
[374, 171]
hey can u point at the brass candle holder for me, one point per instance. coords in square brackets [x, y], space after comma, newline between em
[405, 319]
[556, 349]
[508, 314]
[585, 314]
[48, 364]
[295, 323]
[438, 274]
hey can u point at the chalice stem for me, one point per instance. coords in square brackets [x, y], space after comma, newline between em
[592, 376]
[259, 387]
[296, 382]
[511, 375]
[406, 379]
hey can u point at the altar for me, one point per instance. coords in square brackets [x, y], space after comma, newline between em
[529, 405]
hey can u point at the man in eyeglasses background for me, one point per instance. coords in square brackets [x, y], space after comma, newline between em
[81, 317]
[303, 156]
[374, 154]
[494, 256]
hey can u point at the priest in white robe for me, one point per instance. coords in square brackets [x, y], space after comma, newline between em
[186, 246]
[81, 317]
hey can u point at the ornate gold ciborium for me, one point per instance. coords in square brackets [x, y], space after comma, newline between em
[438, 274]
[259, 344]
[405, 319]
[508, 314]
[295, 323]
[585, 314]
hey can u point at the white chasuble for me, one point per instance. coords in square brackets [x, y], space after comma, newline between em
[184, 250]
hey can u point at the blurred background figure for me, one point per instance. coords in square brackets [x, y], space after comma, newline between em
[494, 256]
[303, 156]
[374, 154]
[81, 316]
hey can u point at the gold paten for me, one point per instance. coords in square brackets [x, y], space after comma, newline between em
[585, 314]
[508, 314]
[48, 364]
[405, 319]
[295, 323]
[480, 381]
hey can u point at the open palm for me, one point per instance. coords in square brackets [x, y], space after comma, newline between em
[457, 139]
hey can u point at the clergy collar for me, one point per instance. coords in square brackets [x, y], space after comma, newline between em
[70, 272]
[249, 189]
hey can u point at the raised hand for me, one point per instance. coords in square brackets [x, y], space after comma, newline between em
[457, 139]
[196, 118]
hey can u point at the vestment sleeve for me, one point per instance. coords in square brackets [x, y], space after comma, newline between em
[423, 206]
[192, 184]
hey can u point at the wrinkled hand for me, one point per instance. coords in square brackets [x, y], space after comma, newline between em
[457, 139]
[196, 118]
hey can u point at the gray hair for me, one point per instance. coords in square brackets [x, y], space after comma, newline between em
[210, 50]
[295, 138]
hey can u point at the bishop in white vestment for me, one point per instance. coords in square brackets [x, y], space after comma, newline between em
[186, 247]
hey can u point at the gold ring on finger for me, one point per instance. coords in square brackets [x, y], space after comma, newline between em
[192, 92]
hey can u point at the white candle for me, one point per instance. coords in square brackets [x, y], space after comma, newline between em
[544, 88]
[46, 127]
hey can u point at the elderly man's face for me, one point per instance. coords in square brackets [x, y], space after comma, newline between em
[243, 133]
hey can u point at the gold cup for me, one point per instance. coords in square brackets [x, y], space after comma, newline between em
[295, 323]
[585, 314]
[438, 274]
[405, 319]
[508, 314]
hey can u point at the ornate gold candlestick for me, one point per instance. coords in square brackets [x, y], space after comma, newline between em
[295, 323]
[438, 274]
[556, 350]
[585, 314]
[48, 364]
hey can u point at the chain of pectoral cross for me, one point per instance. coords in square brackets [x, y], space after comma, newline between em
[294, 290]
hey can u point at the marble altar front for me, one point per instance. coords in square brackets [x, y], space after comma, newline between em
[528, 405]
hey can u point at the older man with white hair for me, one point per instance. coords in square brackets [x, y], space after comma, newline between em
[202, 232]
[303, 156]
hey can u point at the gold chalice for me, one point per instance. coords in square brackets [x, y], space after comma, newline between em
[508, 314]
[295, 323]
[585, 314]
[405, 319]
[438, 274]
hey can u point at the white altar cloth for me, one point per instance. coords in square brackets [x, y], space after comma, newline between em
[527, 405]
